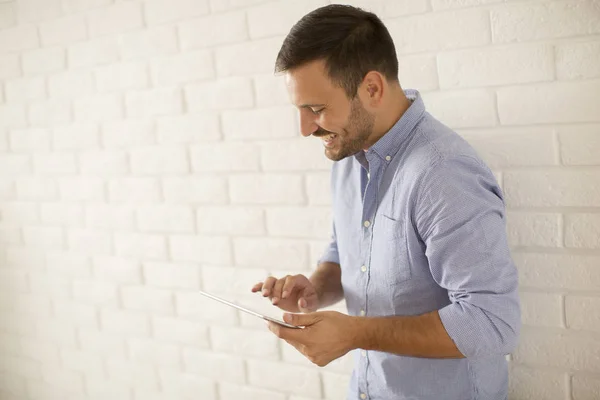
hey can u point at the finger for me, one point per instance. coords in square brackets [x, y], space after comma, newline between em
[303, 305]
[257, 287]
[268, 286]
[288, 286]
[302, 319]
[277, 288]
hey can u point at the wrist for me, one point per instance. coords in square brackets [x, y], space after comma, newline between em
[360, 333]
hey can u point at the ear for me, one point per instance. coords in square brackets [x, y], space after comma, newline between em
[373, 86]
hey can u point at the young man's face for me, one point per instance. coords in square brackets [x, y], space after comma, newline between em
[344, 125]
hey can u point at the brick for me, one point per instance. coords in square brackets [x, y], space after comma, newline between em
[95, 293]
[172, 276]
[32, 11]
[71, 84]
[228, 391]
[231, 281]
[213, 30]
[110, 216]
[272, 253]
[100, 388]
[565, 350]
[270, 90]
[266, 189]
[580, 314]
[531, 383]
[188, 129]
[449, 4]
[221, 157]
[99, 108]
[134, 190]
[335, 385]
[165, 11]
[504, 147]
[140, 376]
[534, 229]
[143, 246]
[165, 218]
[182, 68]
[418, 72]
[36, 189]
[194, 306]
[128, 133]
[159, 160]
[96, 342]
[15, 323]
[49, 286]
[299, 222]
[94, 52]
[84, 362]
[585, 387]
[225, 5]
[53, 331]
[118, 18]
[25, 258]
[287, 16]
[74, 6]
[66, 214]
[10, 66]
[54, 164]
[462, 109]
[63, 31]
[226, 220]
[152, 103]
[542, 309]
[568, 188]
[544, 103]
[223, 367]
[13, 384]
[104, 163]
[28, 38]
[8, 15]
[68, 264]
[579, 145]
[299, 380]
[76, 136]
[265, 123]
[318, 188]
[13, 281]
[186, 386]
[215, 96]
[196, 189]
[19, 212]
[89, 241]
[76, 315]
[203, 249]
[121, 77]
[179, 331]
[117, 270]
[578, 60]
[244, 342]
[81, 189]
[389, 9]
[14, 164]
[50, 112]
[528, 22]
[43, 237]
[148, 351]
[30, 140]
[255, 57]
[23, 90]
[308, 156]
[124, 323]
[582, 231]
[496, 66]
[149, 43]
[12, 116]
[441, 31]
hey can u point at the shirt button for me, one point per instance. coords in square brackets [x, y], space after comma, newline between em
[363, 268]
[362, 313]
[363, 396]
[367, 224]
[388, 158]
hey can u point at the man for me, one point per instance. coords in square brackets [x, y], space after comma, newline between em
[419, 249]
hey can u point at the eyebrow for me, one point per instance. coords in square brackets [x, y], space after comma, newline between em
[311, 105]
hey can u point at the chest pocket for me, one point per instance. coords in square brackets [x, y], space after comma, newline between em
[389, 255]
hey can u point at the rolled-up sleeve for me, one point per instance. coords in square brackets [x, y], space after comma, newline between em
[460, 216]
[331, 251]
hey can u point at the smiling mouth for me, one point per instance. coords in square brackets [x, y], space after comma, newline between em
[328, 140]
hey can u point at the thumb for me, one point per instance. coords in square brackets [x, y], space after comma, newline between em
[302, 319]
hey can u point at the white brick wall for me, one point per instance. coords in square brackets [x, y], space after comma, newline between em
[147, 151]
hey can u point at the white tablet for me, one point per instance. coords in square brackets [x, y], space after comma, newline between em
[256, 314]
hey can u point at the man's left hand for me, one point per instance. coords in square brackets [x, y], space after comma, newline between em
[326, 336]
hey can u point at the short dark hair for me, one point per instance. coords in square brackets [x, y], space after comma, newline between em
[351, 41]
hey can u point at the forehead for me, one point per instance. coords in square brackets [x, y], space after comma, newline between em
[310, 84]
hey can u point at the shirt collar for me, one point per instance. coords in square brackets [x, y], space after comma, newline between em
[389, 144]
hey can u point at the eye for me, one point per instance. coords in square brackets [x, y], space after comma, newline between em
[317, 112]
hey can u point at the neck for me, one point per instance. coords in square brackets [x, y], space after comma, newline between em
[398, 104]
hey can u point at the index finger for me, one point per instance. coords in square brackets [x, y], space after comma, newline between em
[257, 287]
[288, 286]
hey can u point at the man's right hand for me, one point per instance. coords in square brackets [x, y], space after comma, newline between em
[290, 293]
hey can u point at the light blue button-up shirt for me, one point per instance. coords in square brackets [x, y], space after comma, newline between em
[418, 226]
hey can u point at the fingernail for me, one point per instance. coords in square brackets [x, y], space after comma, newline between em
[274, 300]
[284, 294]
[287, 318]
[265, 292]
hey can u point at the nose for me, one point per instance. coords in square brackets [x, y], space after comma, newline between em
[308, 126]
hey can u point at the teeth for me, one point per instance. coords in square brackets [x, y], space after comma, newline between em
[328, 137]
